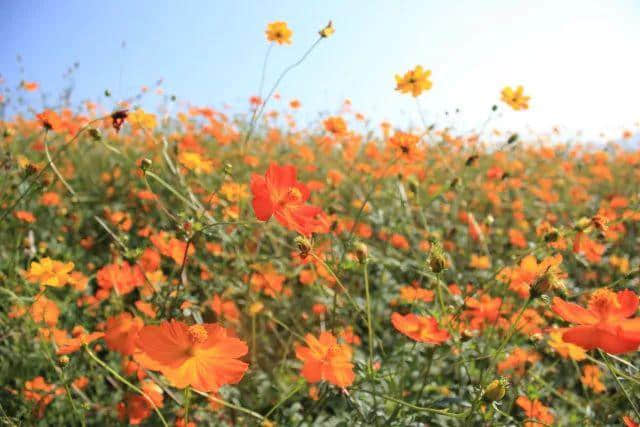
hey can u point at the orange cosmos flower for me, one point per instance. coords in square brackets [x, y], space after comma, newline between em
[68, 345]
[280, 194]
[419, 328]
[42, 393]
[336, 125]
[414, 81]
[406, 146]
[49, 272]
[515, 98]
[279, 32]
[202, 356]
[536, 410]
[44, 310]
[122, 333]
[50, 120]
[482, 311]
[25, 216]
[30, 86]
[590, 378]
[325, 359]
[605, 323]
[122, 277]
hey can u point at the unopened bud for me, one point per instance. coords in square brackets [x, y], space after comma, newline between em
[327, 30]
[582, 224]
[437, 259]
[63, 360]
[551, 235]
[95, 134]
[362, 252]
[304, 246]
[496, 390]
[145, 164]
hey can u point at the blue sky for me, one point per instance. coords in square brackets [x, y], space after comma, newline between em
[577, 59]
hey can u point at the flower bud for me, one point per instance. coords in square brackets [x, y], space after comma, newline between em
[496, 390]
[551, 235]
[437, 260]
[95, 134]
[304, 246]
[63, 360]
[582, 224]
[327, 30]
[362, 252]
[145, 164]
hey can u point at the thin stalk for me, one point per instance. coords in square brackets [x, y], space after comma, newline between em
[230, 405]
[289, 395]
[620, 386]
[369, 320]
[125, 382]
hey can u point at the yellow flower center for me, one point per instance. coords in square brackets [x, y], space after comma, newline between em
[603, 300]
[198, 334]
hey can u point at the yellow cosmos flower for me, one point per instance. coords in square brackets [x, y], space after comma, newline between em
[49, 272]
[414, 81]
[515, 98]
[195, 162]
[234, 192]
[142, 119]
[279, 32]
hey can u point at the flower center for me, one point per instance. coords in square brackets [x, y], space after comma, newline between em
[198, 334]
[603, 300]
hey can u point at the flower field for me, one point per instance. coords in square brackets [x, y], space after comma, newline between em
[205, 269]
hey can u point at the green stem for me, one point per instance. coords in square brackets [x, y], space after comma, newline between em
[443, 412]
[230, 405]
[620, 386]
[369, 321]
[287, 397]
[125, 382]
[187, 401]
[169, 187]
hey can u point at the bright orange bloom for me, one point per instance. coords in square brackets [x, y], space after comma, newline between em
[122, 277]
[405, 146]
[590, 378]
[482, 311]
[225, 308]
[267, 279]
[68, 345]
[122, 333]
[280, 194]
[412, 294]
[419, 328]
[203, 356]
[30, 86]
[41, 392]
[44, 310]
[336, 125]
[325, 359]
[136, 407]
[536, 410]
[25, 216]
[605, 323]
[49, 272]
[518, 361]
[279, 32]
[50, 120]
